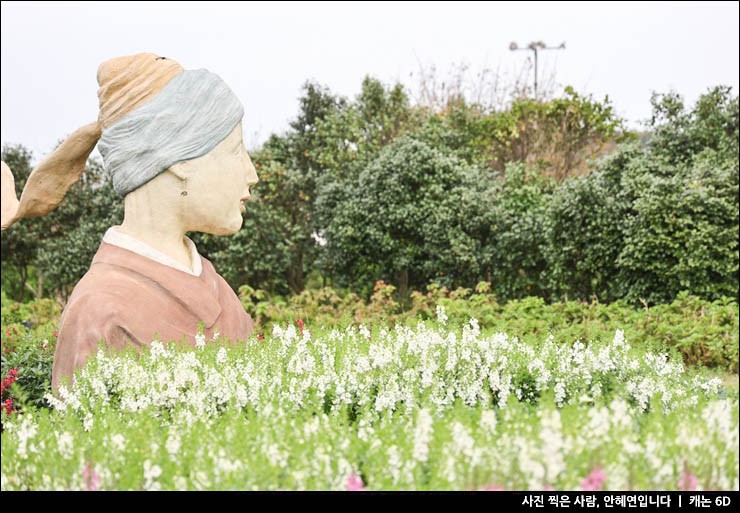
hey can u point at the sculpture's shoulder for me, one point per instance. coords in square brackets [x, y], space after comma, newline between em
[106, 292]
[116, 291]
[99, 310]
[102, 301]
[108, 281]
[216, 280]
[135, 288]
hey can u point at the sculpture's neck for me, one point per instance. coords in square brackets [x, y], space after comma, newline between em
[152, 219]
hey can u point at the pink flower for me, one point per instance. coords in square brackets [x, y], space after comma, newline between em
[355, 484]
[594, 481]
[687, 482]
[300, 325]
[9, 380]
[92, 478]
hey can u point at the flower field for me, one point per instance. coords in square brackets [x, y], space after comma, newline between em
[434, 406]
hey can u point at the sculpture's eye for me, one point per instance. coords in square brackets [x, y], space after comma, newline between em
[160, 58]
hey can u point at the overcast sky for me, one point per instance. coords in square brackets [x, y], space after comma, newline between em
[266, 51]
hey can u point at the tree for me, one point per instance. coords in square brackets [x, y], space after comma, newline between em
[412, 215]
[656, 219]
[514, 251]
[20, 244]
[59, 246]
[558, 137]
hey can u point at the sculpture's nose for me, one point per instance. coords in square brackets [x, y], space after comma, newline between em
[250, 172]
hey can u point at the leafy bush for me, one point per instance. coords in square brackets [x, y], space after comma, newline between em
[649, 222]
[681, 233]
[59, 246]
[514, 256]
[28, 344]
[376, 189]
[584, 234]
[413, 215]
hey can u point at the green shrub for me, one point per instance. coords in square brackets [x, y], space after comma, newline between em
[413, 215]
[513, 252]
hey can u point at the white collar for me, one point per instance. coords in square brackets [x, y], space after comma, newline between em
[122, 240]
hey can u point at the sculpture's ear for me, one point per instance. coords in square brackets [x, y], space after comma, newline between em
[182, 170]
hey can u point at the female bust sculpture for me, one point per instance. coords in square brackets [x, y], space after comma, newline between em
[171, 140]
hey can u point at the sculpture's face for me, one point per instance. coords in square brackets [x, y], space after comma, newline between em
[217, 186]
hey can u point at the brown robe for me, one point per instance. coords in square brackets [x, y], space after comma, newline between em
[128, 297]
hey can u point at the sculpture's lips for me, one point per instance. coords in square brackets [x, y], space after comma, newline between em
[241, 203]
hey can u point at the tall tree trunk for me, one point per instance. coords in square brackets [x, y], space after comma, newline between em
[40, 284]
[299, 272]
[37, 292]
[295, 274]
[403, 286]
[23, 275]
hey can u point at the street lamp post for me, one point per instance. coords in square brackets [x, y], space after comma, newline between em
[534, 46]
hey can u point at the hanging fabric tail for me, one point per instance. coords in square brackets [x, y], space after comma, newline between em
[50, 181]
[126, 83]
[8, 201]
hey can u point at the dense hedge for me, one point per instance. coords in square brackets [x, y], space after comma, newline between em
[647, 222]
[377, 190]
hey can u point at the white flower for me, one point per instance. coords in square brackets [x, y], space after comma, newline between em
[200, 341]
[87, 423]
[394, 463]
[276, 457]
[552, 438]
[221, 356]
[598, 426]
[71, 399]
[473, 327]
[118, 442]
[618, 340]
[441, 315]
[157, 350]
[55, 403]
[26, 431]
[173, 444]
[559, 393]
[362, 364]
[380, 356]
[422, 435]
[151, 472]
[65, 442]
[462, 441]
[362, 330]
[488, 421]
